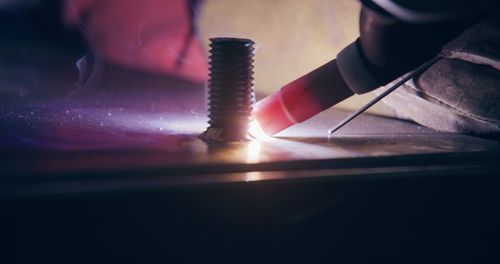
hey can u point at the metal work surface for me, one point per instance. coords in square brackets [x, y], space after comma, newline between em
[118, 174]
[134, 133]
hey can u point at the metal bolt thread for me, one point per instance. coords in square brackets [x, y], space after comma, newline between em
[231, 93]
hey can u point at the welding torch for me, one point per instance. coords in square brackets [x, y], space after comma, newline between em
[387, 47]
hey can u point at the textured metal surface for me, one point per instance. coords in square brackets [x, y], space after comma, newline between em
[131, 125]
[61, 149]
[83, 138]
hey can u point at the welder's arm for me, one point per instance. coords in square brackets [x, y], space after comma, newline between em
[386, 49]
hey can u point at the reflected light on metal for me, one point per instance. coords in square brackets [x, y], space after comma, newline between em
[253, 156]
[253, 176]
[253, 151]
[256, 132]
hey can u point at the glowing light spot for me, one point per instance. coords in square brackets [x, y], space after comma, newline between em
[253, 151]
[256, 131]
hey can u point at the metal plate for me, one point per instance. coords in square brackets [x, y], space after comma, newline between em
[138, 125]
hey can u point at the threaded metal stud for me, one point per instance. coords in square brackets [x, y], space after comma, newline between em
[231, 93]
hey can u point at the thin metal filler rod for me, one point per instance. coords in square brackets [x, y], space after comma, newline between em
[404, 79]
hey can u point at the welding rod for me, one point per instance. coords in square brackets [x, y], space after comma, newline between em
[407, 77]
